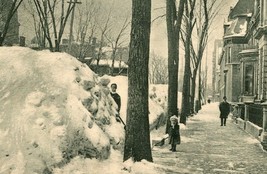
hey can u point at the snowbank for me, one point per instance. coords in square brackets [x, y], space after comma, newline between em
[53, 109]
[57, 116]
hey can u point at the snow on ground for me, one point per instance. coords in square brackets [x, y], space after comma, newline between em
[213, 113]
[57, 116]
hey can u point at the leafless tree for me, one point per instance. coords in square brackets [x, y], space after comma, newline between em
[103, 30]
[53, 16]
[11, 9]
[158, 69]
[173, 20]
[116, 42]
[39, 37]
[86, 27]
[202, 18]
[189, 23]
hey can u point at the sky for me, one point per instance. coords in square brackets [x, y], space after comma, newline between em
[158, 42]
[159, 33]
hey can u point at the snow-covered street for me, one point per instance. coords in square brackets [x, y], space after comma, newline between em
[208, 148]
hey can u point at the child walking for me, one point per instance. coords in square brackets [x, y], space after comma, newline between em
[174, 133]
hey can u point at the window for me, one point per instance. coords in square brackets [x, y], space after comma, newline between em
[248, 81]
[228, 55]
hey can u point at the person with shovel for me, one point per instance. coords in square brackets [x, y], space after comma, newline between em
[117, 99]
[174, 133]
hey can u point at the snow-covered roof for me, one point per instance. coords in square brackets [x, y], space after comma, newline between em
[106, 49]
[108, 62]
[237, 28]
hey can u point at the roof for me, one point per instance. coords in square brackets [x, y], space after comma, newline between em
[237, 27]
[108, 62]
[242, 7]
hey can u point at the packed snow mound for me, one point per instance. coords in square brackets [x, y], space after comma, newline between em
[52, 109]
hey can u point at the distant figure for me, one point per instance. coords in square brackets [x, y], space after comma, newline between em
[117, 99]
[174, 133]
[235, 113]
[209, 100]
[225, 110]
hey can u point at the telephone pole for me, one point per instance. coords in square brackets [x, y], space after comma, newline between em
[72, 20]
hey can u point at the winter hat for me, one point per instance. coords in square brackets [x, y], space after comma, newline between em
[174, 117]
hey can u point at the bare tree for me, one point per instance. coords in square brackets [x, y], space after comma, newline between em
[86, 28]
[189, 22]
[39, 37]
[53, 16]
[158, 69]
[203, 20]
[137, 136]
[11, 9]
[174, 20]
[103, 30]
[210, 11]
[116, 43]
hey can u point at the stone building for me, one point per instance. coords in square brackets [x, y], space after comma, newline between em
[218, 46]
[243, 65]
[234, 41]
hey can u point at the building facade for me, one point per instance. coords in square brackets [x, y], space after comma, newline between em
[243, 65]
[235, 40]
[218, 46]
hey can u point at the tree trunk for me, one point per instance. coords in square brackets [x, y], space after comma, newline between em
[185, 110]
[173, 29]
[137, 138]
[193, 91]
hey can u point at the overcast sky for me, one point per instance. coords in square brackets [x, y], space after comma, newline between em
[158, 31]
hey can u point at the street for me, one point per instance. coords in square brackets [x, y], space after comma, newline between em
[206, 147]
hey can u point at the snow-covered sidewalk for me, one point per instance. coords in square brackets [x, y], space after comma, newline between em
[207, 147]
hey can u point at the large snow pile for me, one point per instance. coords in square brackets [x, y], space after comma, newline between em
[52, 109]
[57, 116]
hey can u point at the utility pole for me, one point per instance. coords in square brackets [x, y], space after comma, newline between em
[71, 21]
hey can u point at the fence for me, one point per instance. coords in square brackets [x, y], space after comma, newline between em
[255, 114]
[242, 113]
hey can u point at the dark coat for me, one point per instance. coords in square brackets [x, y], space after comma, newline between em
[224, 109]
[174, 135]
[117, 99]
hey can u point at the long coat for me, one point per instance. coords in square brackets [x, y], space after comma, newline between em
[224, 109]
[117, 99]
[174, 135]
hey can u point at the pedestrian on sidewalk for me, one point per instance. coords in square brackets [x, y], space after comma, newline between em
[224, 111]
[174, 133]
[235, 113]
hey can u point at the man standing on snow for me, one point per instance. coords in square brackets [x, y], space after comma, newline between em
[225, 110]
[117, 99]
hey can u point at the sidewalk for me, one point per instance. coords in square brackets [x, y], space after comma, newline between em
[208, 148]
